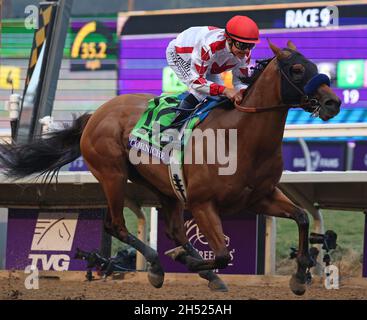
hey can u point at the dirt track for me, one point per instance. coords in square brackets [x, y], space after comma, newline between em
[181, 287]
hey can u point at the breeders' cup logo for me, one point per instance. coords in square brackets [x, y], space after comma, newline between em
[198, 240]
[53, 234]
[365, 159]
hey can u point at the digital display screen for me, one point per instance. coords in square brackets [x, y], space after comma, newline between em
[93, 44]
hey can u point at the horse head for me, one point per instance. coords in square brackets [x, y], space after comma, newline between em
[302, 85]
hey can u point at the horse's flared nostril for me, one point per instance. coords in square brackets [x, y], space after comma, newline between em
[331, 102]
[332, 105]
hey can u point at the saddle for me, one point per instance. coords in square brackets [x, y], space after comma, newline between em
[148, 133]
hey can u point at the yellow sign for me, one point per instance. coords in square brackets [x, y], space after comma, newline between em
[9, 77]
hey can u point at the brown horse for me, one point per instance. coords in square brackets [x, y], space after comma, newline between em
[102, 139]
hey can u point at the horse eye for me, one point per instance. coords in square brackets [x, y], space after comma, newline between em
[298, 69]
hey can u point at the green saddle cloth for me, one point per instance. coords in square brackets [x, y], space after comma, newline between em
[147, 133]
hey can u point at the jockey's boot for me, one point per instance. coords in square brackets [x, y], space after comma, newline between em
[186, 107]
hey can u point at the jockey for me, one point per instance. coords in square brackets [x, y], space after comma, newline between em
[200, 54]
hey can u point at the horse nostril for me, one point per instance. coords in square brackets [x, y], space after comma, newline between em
[334, 103]
[331, 107]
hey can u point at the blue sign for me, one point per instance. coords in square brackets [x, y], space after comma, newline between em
[360, 156]
[78, 165]
[324, 156]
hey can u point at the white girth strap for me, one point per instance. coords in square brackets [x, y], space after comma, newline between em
[175, 169]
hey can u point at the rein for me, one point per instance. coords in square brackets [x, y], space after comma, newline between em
[313, 103]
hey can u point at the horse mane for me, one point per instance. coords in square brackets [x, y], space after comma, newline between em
[257, 71]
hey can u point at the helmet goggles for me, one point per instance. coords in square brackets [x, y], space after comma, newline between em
[243, 45]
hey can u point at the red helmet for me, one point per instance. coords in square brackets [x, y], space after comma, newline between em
[243, 29]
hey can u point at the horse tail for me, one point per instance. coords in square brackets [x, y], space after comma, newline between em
[44, 155]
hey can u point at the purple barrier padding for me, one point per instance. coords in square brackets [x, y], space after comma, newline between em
[241, 239]
[55, 230]
[324, 156]
[360, 156]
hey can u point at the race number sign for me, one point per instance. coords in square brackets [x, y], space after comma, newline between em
[10, 77]
[94, 45]
[351, 73]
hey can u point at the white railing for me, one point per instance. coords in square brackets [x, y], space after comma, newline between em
[325, 130]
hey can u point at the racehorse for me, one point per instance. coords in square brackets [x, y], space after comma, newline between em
[102, 140]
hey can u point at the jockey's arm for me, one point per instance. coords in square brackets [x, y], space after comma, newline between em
[200, 62]
[239, 72]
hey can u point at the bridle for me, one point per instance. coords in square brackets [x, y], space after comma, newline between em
[307, 102]
[311, 105]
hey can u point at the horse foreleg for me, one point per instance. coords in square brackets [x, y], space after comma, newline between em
[278, 205]
[172, 211]
[215, 282]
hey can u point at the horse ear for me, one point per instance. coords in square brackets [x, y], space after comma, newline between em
[277, 51]
[291, 45]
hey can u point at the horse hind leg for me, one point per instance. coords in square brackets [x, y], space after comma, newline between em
[115, 192]
[114, 184]
[172, 211]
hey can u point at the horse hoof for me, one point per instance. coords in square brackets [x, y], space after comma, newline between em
[175, 252]
[217, 285]
[296, 286]
[156, 279]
